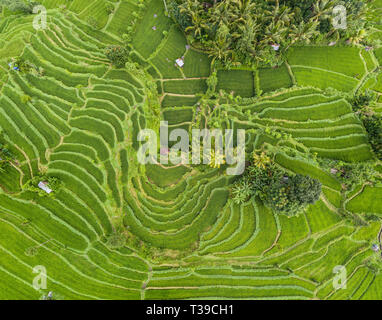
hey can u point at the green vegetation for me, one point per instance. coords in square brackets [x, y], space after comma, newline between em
[258, 32]
[117, 55]
[283, 193]
[71, 108]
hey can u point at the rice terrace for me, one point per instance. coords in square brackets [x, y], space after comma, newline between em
[84, 86]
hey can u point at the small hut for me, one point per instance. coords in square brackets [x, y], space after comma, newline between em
[180, 62]
[44, 186]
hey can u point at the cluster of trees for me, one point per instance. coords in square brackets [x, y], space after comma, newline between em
[118, 55]
[284, 193]
[373, 125]
[351, 174]
[5, 157]
[260, 31]
[372, 121]
[24, 6]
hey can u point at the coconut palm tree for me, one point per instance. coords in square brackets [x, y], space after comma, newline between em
[216, 159]
[303, 32]
[220, 50]
[261, 160]
[322, 9]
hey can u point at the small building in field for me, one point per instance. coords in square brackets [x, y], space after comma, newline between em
[44, 186]
[180, 62]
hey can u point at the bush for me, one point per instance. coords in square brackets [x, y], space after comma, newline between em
[373, 126]
[109, 8]
[284, 193]
[117, 55]
[372, 121]
[19, 5]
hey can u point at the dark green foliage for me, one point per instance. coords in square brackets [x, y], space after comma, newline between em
[183, 20]
[19, 5]
[5, 156]
[362, 100]
[284, 193]
[117, 55]
[24, 66]
[305, 190]
[212, 82]
[371, 120]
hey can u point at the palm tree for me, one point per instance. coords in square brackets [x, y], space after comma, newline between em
[261, 160]
[242, 191]
[194, 9]
[247, 39]
[303, 32]
[322, 9]
[217, 159]
[220, 50]
[198, 25]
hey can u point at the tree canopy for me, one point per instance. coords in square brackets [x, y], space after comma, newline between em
[248, 31]
[284, 193]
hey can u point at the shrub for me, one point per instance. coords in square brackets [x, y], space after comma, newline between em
[372, 121]
[183, 20]
[373, 126]
[92, 22]
[25, 98]
[116, 241]
[117, 55]
[5, 157]
[51, 182]
[361, 100]
[19, 5]
[109, 8]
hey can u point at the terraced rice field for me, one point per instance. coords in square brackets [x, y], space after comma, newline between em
[186, 238]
